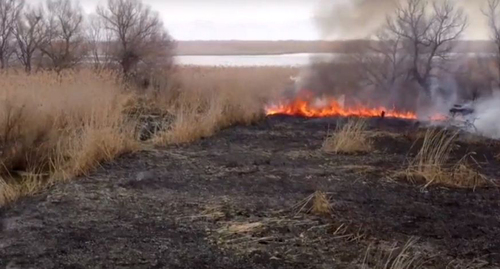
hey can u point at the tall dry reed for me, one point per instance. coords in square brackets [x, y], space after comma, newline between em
[204, 100]
[54, 127]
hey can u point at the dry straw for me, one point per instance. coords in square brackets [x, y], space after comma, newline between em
[431, 164]
[54, 127]
[349, 138]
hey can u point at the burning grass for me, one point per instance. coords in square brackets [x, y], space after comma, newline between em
[431, 164]
[332, 108]
[349, 138]
[56, 127]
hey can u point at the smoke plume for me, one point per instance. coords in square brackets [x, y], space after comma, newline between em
[487, 112]
[352, 19]
[358, 19]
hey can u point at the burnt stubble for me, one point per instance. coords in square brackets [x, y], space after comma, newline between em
[237, 200]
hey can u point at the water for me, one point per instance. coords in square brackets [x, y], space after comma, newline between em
[283, 60]
[292, 60]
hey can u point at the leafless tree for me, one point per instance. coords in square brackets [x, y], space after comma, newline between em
[382, 62]
[492, 12]
[30, 35]
[99, 42]
[9, 13]
[64, 44]
[427, 36]
[138, 34]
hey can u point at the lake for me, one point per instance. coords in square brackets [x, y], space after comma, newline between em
[292, 60]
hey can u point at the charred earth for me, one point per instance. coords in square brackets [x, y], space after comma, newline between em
[245, 198]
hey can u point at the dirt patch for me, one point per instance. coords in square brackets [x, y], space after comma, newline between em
[230, 201]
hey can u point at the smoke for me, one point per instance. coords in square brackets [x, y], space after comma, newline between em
[352, 19]
[487, 112]
[359, 19]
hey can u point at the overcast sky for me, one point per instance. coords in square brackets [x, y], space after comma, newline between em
[248, 19]
[233, 19]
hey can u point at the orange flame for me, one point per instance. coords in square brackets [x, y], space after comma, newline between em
[303, 108]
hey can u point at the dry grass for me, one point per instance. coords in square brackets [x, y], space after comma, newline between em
[349, 138]
[317, 203]
[321, 204]
[57, 127]
[240, 228]
[54, 127]
[205, 100]
[394, 258]
[431, 164]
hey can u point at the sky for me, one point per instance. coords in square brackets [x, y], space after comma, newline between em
[233, 19]
[257, 19]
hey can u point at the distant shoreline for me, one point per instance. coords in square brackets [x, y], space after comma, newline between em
[249, 48]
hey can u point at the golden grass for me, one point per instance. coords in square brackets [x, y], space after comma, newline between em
[349, 138]
[395, 258]
[56, 127]
[205, 100]
[321, 204]
[317, 203]
[431, 164]
[8, 192]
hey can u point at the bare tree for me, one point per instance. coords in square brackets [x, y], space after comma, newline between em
[138, 34]
[428, 37]
[64, 44]
[99, 41]
[492, 12]
[9, 13]
[30, 36]
[382, 62]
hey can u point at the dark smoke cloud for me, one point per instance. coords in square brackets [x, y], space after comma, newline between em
[353, 19]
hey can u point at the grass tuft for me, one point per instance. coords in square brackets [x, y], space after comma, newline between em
[317, 203]
[350, 138]
[431, 164]
[395, 258]
[321, 204]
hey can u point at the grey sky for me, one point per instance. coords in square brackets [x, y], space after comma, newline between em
[232, 19]
[258, 19]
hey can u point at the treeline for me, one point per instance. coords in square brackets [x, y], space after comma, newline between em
[58, 35]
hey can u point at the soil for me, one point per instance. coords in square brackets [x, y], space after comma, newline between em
[241, 199]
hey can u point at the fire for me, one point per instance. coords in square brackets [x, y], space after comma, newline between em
[301, 107]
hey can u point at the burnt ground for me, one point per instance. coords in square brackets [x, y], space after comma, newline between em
[234, 201]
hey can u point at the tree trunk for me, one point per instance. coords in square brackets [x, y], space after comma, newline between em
[3, 65]
[27, 68]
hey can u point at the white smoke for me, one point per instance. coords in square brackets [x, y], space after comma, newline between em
[487, 113]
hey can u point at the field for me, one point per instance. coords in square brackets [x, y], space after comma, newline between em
[217, 184]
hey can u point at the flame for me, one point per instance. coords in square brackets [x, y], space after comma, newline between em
[302, 107]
